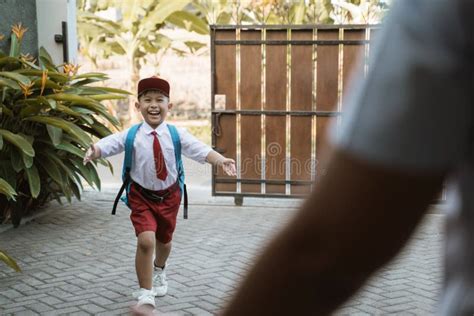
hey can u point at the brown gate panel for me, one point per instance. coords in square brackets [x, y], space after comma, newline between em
[225, 85]
[251, 99]
[282, 124]
[275, 99]
[301, 100]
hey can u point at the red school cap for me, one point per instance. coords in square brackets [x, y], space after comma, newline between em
[154, 83]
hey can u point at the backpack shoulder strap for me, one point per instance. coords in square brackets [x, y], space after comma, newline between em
[179, 165]
[127, 163]
[176, 141]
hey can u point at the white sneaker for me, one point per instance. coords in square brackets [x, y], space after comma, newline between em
[160, 285]
[144, 297]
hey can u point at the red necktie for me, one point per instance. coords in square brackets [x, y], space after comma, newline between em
[160, 165]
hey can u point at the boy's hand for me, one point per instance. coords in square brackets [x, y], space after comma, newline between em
[228, 165]
[91, 154]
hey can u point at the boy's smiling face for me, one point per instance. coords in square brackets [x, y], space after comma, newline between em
[154, 107]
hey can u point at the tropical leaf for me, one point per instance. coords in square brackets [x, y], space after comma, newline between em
[100, 129]
[7, 190]
[94, 175]
[8, 60]
[29, 64]
[15, 76]
[55, 76]
[67, 110]
[47, 102]
[84, 82]
[189, 21]
[49, 84]
[194, 46]
[50, 168]
[297, 12]
[87, 120]
[68, 172]
[162, 11]
[9, 261]
[107, 24]
[68, 147]
[14, 46]
[18, 141]
[16, 161]
[74, 174]
[99, 109]
[111, 90]
[30, 110]
[46, 60]
[83, 170]
[27, 160]
[101, 97]
[69, 97]
[90, 75]
[66, 126]
[82, 110]
[75, 190]
[55, 133]
[4, 82]
[131, 10]
[33, 181]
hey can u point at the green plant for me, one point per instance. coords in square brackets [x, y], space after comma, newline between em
[48, 114]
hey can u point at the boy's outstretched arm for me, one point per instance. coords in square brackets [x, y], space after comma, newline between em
[359, 216]
[227, 164]
[92, 153]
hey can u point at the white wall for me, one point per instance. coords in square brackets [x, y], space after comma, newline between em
[50, 14]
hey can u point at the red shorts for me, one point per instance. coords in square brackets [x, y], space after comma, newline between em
[159, 217]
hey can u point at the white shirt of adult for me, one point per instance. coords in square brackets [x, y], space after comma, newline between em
[143, 169]
[415, 111]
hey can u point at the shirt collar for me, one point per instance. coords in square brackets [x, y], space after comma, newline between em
[159, 130]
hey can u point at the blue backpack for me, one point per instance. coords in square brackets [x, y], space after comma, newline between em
[127, 166]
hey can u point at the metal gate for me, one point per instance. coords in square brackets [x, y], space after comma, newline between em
[274, 92]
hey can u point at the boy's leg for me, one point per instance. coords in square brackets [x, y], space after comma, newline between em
[144, 258]
[166, 220]
[160, 285]
[162, 253]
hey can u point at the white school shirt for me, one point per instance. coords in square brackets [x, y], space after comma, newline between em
[143, 169]
[415, 111]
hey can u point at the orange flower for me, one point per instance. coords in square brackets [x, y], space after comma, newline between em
[26, 88]
[70, 69]
[44, 77]
[19, 30]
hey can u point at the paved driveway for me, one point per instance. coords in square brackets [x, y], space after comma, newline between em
[78, 259]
